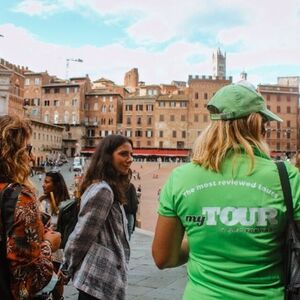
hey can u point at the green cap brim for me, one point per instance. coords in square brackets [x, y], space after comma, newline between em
[270, 116]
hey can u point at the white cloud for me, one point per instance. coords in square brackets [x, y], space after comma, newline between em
[36, 7]
[264, 34]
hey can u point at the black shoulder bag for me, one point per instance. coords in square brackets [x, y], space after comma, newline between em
[292, 245]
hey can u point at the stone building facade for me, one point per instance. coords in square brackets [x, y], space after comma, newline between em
[201, 89]
[283, 101]
[11, 88]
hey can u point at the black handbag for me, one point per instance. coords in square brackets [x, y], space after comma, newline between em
[291, 252]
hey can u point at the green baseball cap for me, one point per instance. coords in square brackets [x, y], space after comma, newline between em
[239, 100]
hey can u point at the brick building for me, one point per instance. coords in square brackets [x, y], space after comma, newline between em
[201, 89]
[103, 116]
[11, 88]
[282, 100]
[138, 120]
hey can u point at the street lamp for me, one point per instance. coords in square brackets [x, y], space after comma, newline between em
[68, 63]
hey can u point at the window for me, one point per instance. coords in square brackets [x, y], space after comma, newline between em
[138, 133]
[196, 118]
[46, 118]
[102, 121]
[55, 118]
[182, 118]
[278, 98]
[161, 103]
[128, 120]
[37, 81]
[174, 134]
[172, 118]
[278, 146]
[74, 102]
[149, 107]
[205, 96]
[139, 107]
[183, 104]
[56, 102]
[128, 133]
[66, 117]
[139, 121]
[47, 90]
[161, 144]
[172, 104]
[161, 118]
[278, 109]
[288, 146]
[73, 118]
[96, 106]
[196, 96]
[161, 134]
[288, 134]
[268, 97]
[288, 98]
[183, 134]
[288, 123]
[278, 134]
[288, 109]
[110, 121]
[103, 108]
[128, 107]
[56, 90]
[110, 98]
[149, 133]
[149, 120]
[67, 90]
[196, 105]
[47, 103]
[75, 89]
[27, 81]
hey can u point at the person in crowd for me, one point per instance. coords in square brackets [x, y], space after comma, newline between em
[229, 204]
[28, 245]
[131, 207]
[55, 192]
[97, 252]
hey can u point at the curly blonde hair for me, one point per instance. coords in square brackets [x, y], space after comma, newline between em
[14, 134]
[220, 137]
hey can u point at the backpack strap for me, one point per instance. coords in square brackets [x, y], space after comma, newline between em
[8, 199]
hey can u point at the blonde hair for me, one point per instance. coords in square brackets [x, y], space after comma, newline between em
[14, 133]
[221, 137]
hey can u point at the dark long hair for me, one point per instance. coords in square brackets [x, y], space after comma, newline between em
[101, 167]
[60, 189]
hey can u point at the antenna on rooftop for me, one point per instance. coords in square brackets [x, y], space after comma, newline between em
[68, 64]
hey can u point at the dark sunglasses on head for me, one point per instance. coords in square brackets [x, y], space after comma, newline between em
[29, 148]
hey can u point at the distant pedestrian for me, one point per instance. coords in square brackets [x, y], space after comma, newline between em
[131, 207]
[229, 204]
[97, 252]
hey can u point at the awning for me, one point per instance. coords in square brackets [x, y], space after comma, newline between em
[149, 152]
[87, 150]
[161, 152]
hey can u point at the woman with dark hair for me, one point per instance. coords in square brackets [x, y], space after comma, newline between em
[55, 193]
[97, 252]
[229, 204]
[27, 247]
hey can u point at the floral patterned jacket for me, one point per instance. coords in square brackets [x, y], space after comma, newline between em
[28, 255]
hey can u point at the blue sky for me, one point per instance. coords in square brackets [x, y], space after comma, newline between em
[165, 39]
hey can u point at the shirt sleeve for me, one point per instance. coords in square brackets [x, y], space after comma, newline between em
[166, 199]
[90, 219]
[28, 255]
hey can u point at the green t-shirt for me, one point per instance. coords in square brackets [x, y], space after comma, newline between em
[235, 227]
